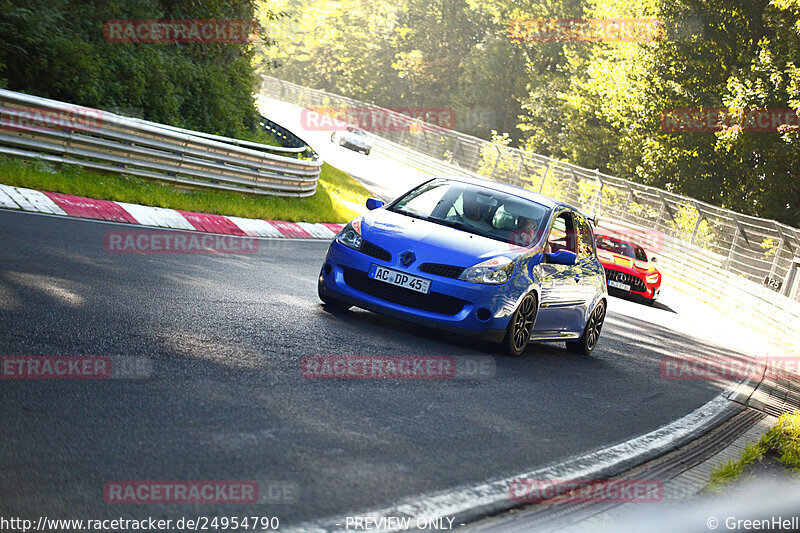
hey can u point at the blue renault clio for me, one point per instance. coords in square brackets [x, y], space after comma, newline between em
[473, 257]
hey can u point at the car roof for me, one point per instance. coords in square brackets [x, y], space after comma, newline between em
[510, 189]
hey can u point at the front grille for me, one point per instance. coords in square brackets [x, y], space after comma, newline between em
[433, 301]
[629, 279]
[446, 271]
[375, 251]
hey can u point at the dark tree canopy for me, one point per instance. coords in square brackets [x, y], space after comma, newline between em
[57, 49]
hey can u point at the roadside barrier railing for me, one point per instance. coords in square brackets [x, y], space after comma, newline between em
[57, 132]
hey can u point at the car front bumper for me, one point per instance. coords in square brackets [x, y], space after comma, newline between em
[650, 292]
[485, 312]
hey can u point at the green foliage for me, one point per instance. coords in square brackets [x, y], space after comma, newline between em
[56, 49]
[740, 54]
[783, 440]
[339, 197]
[494, 160]
[683, 222]
[730, 471]
[404, 53]
[642, 210]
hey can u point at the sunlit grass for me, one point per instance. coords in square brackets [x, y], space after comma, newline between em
[783, 440]
[338, 198]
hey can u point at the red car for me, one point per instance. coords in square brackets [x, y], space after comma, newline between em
[627, 268]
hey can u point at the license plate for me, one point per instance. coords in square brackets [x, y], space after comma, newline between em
[618, 285]
[401, 279]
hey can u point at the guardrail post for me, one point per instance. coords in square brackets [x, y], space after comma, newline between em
[779, 251]
[631, 198]
[599, 191]
[544, 176]
[456, 148]
[573, 181]
[727, 262]
[664, 207]
[791, 278]
[526, 173]
[700, 218]
[419, 140]
[496, 161]
[774, 264]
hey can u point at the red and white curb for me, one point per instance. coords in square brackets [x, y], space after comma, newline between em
[76, 206]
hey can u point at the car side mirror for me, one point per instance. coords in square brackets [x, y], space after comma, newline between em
[374, 203]
[653, 260]
[562, 257]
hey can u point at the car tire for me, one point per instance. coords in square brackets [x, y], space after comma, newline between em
[366, 152]
[520, 327]
[591, 333]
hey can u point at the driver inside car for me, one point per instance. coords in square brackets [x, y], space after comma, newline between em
[526, 231]
[474, 212]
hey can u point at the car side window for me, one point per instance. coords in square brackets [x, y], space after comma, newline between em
[585, 237]
[640, 255]
[562, 234]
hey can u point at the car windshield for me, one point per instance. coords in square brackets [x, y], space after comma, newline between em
[621, 247]
[475, 209]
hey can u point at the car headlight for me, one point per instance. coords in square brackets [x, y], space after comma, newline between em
[653, 277]
[350, 236]
[493, 271]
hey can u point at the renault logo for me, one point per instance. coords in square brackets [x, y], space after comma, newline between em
[406, 258]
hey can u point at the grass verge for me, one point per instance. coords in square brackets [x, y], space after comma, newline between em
[783, 440]
[339, 197]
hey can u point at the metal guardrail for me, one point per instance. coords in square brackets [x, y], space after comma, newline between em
[744, 266]
[57, 132]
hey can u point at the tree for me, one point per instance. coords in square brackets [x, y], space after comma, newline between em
[57, 49]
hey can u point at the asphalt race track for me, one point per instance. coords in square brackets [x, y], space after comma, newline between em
[226, 399]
